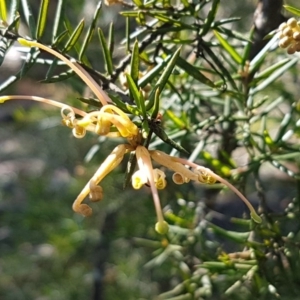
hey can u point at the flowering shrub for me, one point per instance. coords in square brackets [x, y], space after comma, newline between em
[184, 97]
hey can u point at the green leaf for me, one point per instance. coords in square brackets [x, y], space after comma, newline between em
[163, 78]
[177, 41]
[274, 76]
[292, 9]
[29, 18]
[138, 3]
[133, 90]
[158, 130]
[111, 38]
[215, 163]
[11, 80]
[185, 3]
[175, 23]
[90, 31]
[230, 50]
[149, 76]
[91, 101]
[3, 11]
[106, 53]
[127, 34]
[238, 237]
[127, 108]
[5, 43]
[247, 48]
[57, 20]
[135, 63]
[74, 36]
[221, 22]
[141, 18]
[224, 72]
[60, 77]
[42, 18]
[269, 71]
[191, 70]
[287, 119]
[259, 58]
[145, 125]
[176, 120]
[233, 34]
[156, 104]
[59, 38]
[30, 60]
[210, 17]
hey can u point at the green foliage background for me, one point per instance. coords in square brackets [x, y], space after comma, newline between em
[213, 250]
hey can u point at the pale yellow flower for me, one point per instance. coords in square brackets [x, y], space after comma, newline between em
[110, 121]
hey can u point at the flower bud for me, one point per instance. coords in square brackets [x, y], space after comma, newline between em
[282, 26]
[288, 31]
[292, 22]
[297, 46]
[162, 227]
[296, 36]
[291, 49]
[285, 42]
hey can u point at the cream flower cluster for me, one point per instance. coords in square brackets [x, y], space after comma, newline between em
[110, 121]
[289, 36]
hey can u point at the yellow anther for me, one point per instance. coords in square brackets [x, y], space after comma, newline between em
[79, 132]
[138, 179]
[159, 179]
[103, 126]
[205, 175]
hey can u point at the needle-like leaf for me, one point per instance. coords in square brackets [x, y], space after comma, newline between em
[42, 18]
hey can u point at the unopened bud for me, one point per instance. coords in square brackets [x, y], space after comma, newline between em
[292, 22]
[291, 49]
[285, 42]
[288, 31]
[162, 227]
